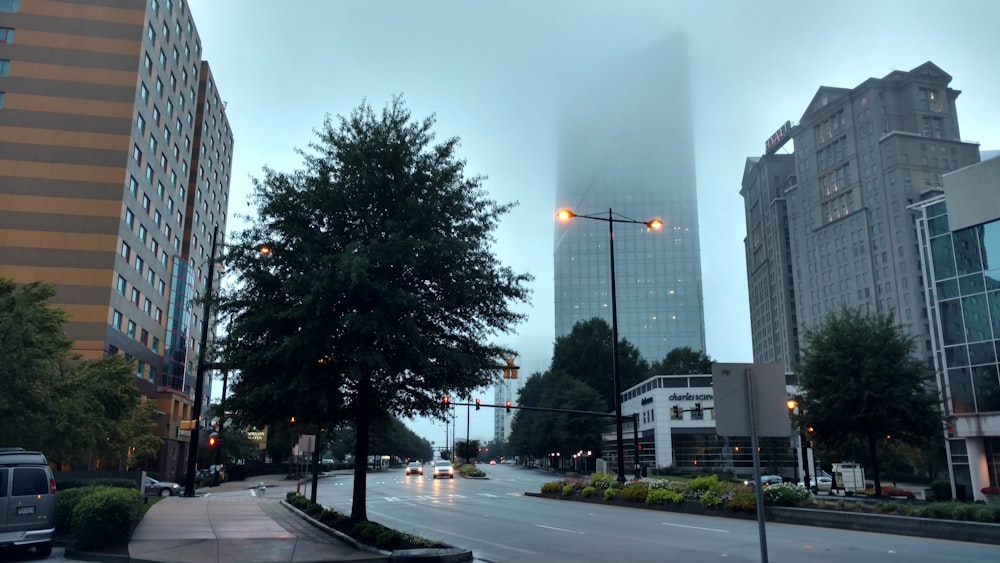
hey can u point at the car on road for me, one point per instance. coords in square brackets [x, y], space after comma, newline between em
[414, 468]
[767, 480]
[156, 488]
[27, 501]
[443, 468]
[493, 462]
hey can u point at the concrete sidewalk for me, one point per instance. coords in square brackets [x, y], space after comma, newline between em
[226, 528]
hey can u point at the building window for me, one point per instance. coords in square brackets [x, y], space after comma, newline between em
[159, 86]
[145, 202]
[138, 265]
[2, 96]
[140, 369]
[144, 93]
[155, 346]
[159, 314]
[143, 233]
[136, 154]
[4, 67]
[131, 330]
[6, 34]
[130, 219]
[116, 320]
[150, 277]
[161, 286]
[121, 285]
[163, 59]
[157, 218]
[147, 307]
[135, 297]
[126, 251]
[151, 33]
[148, 63]
[8, 6]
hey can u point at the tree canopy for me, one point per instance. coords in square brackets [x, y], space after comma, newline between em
[861, 380]
[683, 361]
[379, 292]
[77, 412]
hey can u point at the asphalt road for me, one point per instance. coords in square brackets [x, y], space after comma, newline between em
[494, 519]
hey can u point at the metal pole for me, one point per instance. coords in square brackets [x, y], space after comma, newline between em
[804, 445]
[635, 441]
[200, 378]
[614, 353]
[758, 488]
[467, 424]
[222, 422]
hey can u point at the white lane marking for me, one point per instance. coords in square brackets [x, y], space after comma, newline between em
[392, 499]
[559, 529]
[515, 494]
[487, 495]
[695, 527]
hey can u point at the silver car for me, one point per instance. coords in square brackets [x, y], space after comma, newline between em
[27, 501]
[161, 488]
[443, 468]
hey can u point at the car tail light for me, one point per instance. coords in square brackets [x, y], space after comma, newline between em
[52, 485]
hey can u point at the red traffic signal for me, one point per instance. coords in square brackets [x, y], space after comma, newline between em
[508, 406]
[213, 440]
[477, 404]
[445, 400]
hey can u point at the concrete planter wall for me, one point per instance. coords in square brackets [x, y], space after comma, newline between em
[977, 532]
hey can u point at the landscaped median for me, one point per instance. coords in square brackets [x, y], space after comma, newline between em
[786, 503]
[374, 537]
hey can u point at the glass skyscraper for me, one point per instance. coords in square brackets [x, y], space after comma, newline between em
[626, 144]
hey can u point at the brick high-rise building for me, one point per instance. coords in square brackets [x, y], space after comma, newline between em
[115, 159]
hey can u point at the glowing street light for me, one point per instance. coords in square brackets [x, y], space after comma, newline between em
[566, 215]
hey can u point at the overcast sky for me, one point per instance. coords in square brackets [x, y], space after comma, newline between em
[496, 73]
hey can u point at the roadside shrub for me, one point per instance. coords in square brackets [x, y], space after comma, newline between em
[386, 538]
[106, 517]
[568, 490]
[980, 513]
[635, 492]
[698, 487]
[662, 496]
[587, 491]
[743, 501]
[941, 490]
[786, 494]
[942, 510]
[602, 480]
[66, 501]
[710, 499]
[611, 493]
[119, 483]
[329, 515]
[470, 470]
[885, 508]
[552, 487]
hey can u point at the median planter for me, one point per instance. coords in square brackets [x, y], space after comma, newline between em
[686, 507]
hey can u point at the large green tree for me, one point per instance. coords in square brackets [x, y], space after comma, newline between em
[585, 354]
[861, 380]
[379, 292]
[683, 361]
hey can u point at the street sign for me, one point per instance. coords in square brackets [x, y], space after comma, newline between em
[732, 415]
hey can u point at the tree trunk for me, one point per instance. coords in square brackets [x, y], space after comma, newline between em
[874, 454]
[359, 512]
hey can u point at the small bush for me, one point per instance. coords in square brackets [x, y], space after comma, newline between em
[662, 496]
[611, 493]
[743, 501]
[941, 490]
[702, 485]
[386, 538]
[119, 483]
[710, 499]
[66, 501]
[636, 492]
[470, 470]
[587, 491]
[552, 487]
[786, 494]
[885, 508]
[106, 517]
[568, 490]
[602, 480]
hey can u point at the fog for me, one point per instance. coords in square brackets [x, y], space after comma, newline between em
[500, 75]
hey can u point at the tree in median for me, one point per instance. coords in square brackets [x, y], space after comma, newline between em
[860, 379]
[683, 361]
[379, 290]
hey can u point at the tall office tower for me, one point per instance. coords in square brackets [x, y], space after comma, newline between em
[504, 391]
[627, 145]
[774, 334]
[862, 156]
[115, 156]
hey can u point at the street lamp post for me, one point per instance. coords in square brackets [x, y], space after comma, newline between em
[200, 377]
[803, 444]
[566, 215]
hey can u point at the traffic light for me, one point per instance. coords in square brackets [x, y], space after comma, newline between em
[213, 440]
[510, 372]
[697, 410]
[477, 404]
[508, 406]
[675, 412]
[445, 400]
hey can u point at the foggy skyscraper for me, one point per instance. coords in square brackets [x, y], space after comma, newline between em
[626, 143]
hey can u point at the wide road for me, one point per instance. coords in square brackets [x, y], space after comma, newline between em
[498, 523]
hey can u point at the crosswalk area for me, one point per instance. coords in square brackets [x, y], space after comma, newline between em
[448, 497]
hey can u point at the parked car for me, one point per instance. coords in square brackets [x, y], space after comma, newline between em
[27, 500]
[414, 468]
[822, 484]
[161, 488]
[767, 480]
[443, 468]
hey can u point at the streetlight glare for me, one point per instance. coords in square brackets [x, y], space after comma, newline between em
[565, 214]
[264, 249]
[792, 404]
[655, 224]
